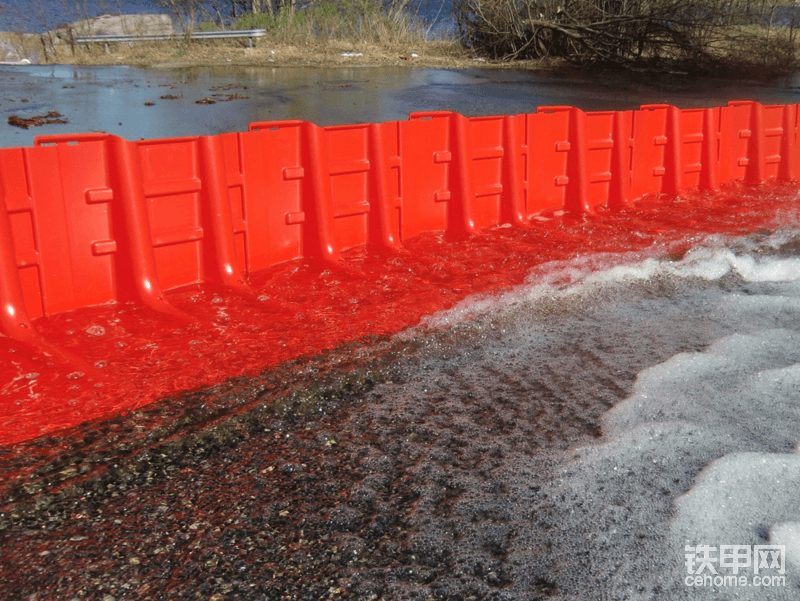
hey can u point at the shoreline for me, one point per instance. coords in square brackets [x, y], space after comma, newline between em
[275, 50]
[331, 54]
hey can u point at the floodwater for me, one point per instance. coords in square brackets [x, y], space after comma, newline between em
[599, 430]
[112, 99]
[566, 440]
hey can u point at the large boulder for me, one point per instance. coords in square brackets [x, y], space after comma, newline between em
[11, 51]
[118, 25]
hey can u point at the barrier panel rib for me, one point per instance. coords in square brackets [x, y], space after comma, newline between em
[88, 219]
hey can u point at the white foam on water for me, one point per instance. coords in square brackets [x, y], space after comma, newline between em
[704, 451]
[788, 535]
[557, 281]
[732, 381]
[737, 495]
[714, 408]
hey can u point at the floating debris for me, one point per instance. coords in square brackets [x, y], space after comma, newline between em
[229, 97]
[26, 122]
[214, 98]
[149, 103]
[171, 97]
[226, 87]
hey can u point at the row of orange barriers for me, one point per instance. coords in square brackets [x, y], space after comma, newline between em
[87, 219]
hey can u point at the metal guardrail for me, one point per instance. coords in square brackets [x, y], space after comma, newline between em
[197, 35]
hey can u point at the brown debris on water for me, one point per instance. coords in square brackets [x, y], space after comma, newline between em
[229, 97]
[50, 118]
[171, 97]
[227, 87]
[205, 101]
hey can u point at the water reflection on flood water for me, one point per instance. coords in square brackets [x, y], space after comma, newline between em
[112, 99]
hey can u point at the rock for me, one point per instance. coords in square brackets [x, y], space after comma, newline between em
[119, 25]
[12, 54]
[113, 25]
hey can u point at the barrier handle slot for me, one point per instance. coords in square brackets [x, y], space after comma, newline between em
[259, 125]
[67, 138]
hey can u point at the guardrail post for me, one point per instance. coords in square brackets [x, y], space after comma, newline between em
[512, 199]
[219, 249]
[317, 201]
[136, 260]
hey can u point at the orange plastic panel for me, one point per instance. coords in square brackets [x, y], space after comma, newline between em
[736, 136]
[349, 170]
[549, 148]
[91, 218]
[426, 152]
[600, 144]
[69, 215]
[650, 140]
[272, 212]
[486, 168]
[773, 140]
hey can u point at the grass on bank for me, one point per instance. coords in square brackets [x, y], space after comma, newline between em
[347, 20]
[316, 36]
[269, 53]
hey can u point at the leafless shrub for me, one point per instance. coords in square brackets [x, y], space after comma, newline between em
[667, 35]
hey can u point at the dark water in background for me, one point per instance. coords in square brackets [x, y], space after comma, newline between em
[40, 15]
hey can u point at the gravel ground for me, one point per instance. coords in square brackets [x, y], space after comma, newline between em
[395, 469]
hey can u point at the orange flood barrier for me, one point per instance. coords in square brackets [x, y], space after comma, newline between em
[88, 219]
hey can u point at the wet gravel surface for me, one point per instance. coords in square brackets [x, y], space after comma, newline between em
[421, 467]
